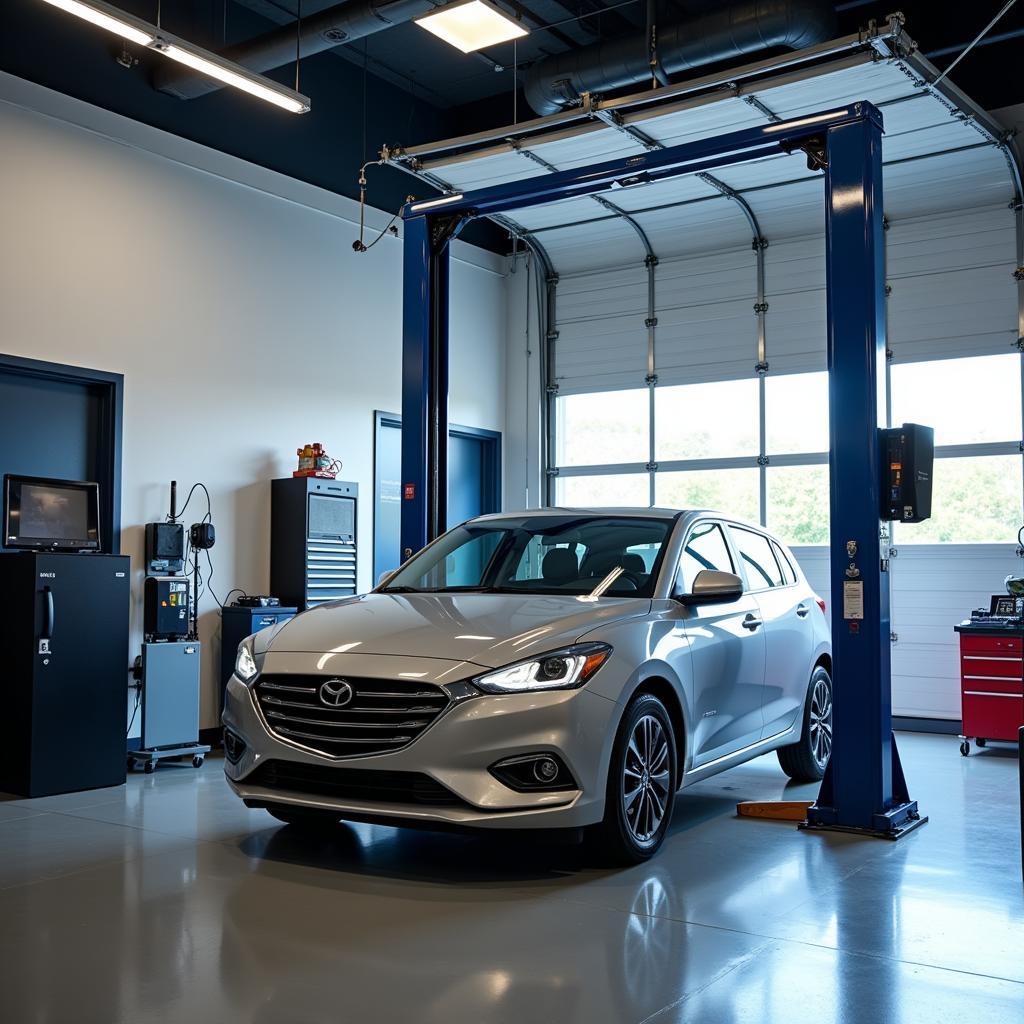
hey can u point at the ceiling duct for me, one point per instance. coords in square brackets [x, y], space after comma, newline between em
[729, 32]
[332, 27]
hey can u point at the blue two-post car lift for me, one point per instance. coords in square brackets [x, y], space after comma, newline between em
[864, 789]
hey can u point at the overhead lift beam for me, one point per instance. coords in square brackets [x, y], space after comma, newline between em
[864, 788]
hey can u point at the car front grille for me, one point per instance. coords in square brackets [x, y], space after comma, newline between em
[377, 787]
[382, 715]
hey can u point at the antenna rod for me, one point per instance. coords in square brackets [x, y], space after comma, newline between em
[174, 500]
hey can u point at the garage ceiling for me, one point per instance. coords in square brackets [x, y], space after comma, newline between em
[937, 157]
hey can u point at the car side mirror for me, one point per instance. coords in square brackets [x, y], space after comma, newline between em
[711, 587]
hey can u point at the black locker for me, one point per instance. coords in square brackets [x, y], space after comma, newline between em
[64, 634]
[312, 540]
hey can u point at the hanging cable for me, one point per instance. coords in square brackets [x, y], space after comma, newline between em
[298, 42]
[515, 81]
[976, 40]
[359, 245]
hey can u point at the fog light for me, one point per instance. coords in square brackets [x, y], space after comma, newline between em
[534, 773]
[234, 746]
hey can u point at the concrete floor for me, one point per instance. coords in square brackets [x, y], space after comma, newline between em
[166, 900]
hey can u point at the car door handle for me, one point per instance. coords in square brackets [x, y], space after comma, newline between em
[802, 610]
[751, 622]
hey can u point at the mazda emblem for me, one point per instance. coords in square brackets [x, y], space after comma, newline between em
[336, 693]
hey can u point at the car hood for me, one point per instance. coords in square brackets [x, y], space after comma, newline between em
[488, 629]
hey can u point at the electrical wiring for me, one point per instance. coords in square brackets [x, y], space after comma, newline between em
[209, 579]
[135, 710]
[209, 505]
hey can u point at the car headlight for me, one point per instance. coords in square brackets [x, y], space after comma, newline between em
[567, 669]
[245, 663]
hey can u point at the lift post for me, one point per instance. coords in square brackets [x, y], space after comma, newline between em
[425, 381]
[864, 789]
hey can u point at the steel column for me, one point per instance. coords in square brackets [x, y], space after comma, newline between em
[424, 384]
[864, 788]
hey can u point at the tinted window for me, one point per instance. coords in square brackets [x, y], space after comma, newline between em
[705, 549]
[788, 571]
[756, 553]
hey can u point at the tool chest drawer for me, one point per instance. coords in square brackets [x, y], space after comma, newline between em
[992, 665]
[991, 684]
[996, 645]
[995, 716]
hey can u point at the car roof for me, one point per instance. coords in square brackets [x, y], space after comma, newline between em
[625, 512]
[562, 510]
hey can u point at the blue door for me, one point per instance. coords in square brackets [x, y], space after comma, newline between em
[474, 483]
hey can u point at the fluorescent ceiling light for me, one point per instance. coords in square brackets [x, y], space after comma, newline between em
[470, 25]
[232, 74]
[203, 61]
[109, 18]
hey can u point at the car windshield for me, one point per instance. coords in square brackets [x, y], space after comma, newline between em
[557, 554]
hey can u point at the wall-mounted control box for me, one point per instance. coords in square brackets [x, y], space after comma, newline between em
[908, 453]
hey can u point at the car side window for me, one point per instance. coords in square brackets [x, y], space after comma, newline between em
[705, 548]
[758, 559]
[788, 572]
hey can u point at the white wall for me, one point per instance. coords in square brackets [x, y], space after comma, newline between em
[231, 300]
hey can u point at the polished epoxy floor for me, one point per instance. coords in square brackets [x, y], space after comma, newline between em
[166, 900]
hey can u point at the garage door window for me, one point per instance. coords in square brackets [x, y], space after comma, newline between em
[603, 429]
[704, 421]
[758, 450]
[974, 404]
[614, 490]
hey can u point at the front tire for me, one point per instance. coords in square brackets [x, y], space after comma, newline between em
[311, 819]
[805, 760]
[641, 785]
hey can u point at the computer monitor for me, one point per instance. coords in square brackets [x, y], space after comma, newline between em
[51, 515]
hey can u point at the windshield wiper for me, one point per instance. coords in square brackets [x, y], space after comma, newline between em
[603, 585]
[402, 589]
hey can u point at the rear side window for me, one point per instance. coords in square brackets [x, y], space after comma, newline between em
[758, 559]
[705, 549]
[788, 572]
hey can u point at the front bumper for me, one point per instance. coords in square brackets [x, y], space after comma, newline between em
[455, 751]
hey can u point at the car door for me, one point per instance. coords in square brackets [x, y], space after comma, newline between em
[784, 608]
[727, 653]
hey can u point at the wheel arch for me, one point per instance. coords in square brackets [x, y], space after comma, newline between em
[660, 687]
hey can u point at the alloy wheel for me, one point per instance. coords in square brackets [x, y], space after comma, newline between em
[821, 722]
[646, 779]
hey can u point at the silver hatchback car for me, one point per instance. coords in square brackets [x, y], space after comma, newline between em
[555, 669]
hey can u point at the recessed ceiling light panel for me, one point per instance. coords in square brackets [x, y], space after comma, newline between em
[470, 25]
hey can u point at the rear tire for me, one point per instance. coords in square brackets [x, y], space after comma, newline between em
[642, 779]
[311, 819]
[805, 760]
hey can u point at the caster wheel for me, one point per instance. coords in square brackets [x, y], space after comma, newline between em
[965, 747]
[130, 766]
[197, 761]
[981, 741]
[150, 767]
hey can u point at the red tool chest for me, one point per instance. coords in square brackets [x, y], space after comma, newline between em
[991, 685]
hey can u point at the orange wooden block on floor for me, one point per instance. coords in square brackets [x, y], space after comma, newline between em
[774, 810]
